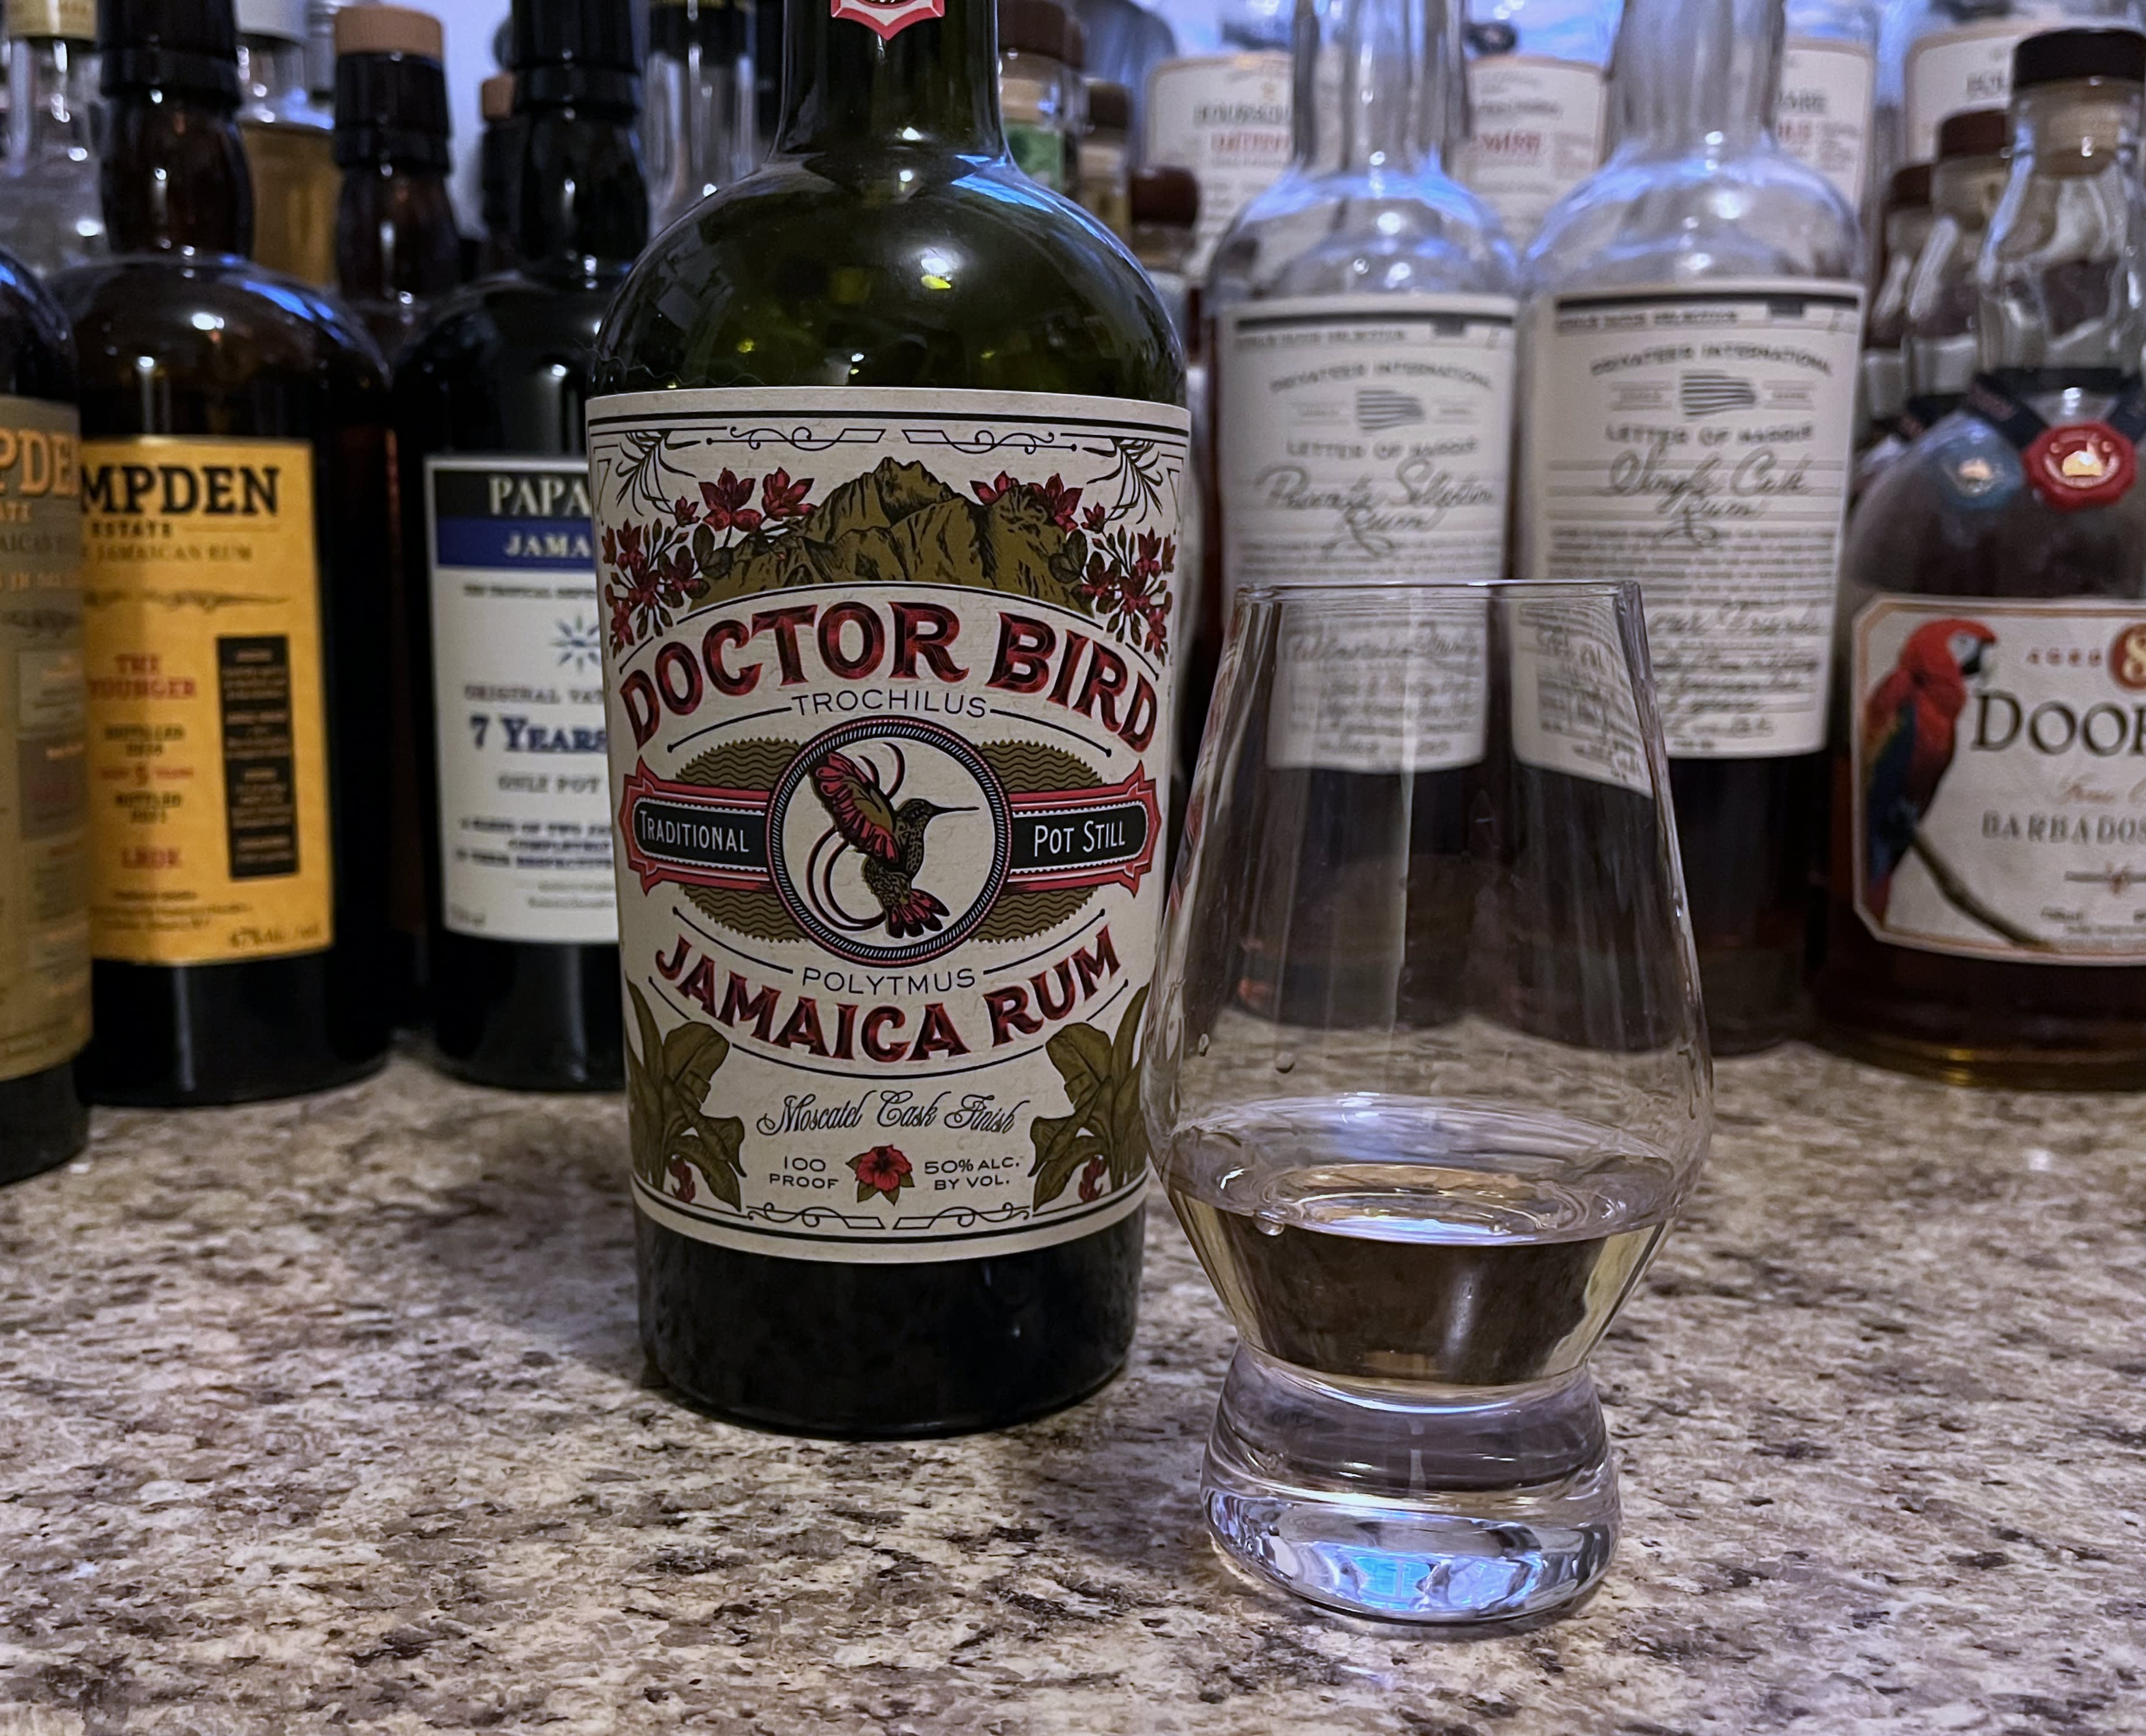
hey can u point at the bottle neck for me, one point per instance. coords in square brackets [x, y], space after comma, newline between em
[1700, 75]
[932, 86]
[395, 234]
[174, 176]
[272, 72]
[1396, 80]
[2058, 281]
[581, 211]
[51, 84]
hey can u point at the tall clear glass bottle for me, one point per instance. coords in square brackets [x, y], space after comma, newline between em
[1690, 342]
[1361, 378]
[886, 453]
[504, 622]
[1984, 921]
[1828, 95]
[1538, 88]
[698, 128]
[290, 145]
[50, 216]
[1938, 353]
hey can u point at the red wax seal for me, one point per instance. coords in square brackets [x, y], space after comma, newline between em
[2085, 464]
[887, 19]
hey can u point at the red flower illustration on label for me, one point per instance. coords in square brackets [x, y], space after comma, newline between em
[887, 19]
[1095, 1178]
[884, 1170]
[681, 1180]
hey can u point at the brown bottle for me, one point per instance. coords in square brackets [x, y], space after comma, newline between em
[235, 530]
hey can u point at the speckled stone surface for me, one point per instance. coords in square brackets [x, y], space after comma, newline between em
[330, 1414]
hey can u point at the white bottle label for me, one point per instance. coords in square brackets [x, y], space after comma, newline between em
[1225, 117]
[1537, 134]
[890, 709]
[1573, 710]
[1949, 71]
[1997, 748]
[1368, 437]
[1697, 440]
[1822, 118]
[517, 688]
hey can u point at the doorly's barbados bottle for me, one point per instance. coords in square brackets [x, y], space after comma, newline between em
[884, 452]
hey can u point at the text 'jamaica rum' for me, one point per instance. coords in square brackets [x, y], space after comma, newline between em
[884, 450]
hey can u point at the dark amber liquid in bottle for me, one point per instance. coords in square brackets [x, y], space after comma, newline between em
[503, 370]
[808, 274]
[232, 349]
[42, 1121]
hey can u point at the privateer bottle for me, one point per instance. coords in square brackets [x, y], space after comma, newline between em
[1957, 54]
[235, 543]
[1361, 380]
[1538, 94]
[886, 452]
[698, 123]
[1690, 344]
[398, 251]
[51, 217]
[44, 795]
[290, 145]
[1824, 115]
[504, 622]
[1224, 113]
[1984, 923]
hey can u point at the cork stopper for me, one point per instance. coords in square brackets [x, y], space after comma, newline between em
[1165, 194]
[1110, 106]
[388, 30]
[1911, 188]
[495, 98]
[1974, 132]
[76, 19]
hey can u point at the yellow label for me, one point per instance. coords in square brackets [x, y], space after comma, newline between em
[207, 727]
[44, 891]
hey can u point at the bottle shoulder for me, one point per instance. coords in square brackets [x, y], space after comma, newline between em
[37, 349]
[1351, 233]
[1646, 219]
[510, 311]
[213, 324]
[943, 274]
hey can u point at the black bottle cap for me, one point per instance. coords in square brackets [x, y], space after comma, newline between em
[1976, 132]
[1165, 194]
[190, 46]
[1110, 106]
[2058, 54]
[575, 52]
[390, 95]
[1911, 190]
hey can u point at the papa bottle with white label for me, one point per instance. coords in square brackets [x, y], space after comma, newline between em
[1539, 100]
[1690, 359]
[1986, 918]
[502, 615]
[1361, 351]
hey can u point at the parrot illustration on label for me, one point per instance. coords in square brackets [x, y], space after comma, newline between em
[1909, 725]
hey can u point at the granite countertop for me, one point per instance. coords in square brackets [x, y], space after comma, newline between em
[330, 1413]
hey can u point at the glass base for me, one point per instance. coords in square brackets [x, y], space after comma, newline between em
[1433, 1504]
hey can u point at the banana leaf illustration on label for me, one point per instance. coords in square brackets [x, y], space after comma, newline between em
[672, 1135]
[1104, 1137]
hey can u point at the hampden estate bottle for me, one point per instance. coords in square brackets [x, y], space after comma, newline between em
[885, 459]
[1990, 812]
[1371, 304]
[235, 509]
[44, 911]
[504, 623]
[1691, 353]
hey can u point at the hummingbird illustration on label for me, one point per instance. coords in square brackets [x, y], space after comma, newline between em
[890, 839]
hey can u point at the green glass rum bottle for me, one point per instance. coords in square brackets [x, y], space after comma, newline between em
[886, 447]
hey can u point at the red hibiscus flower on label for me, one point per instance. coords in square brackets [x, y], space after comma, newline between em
[884, 1170]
